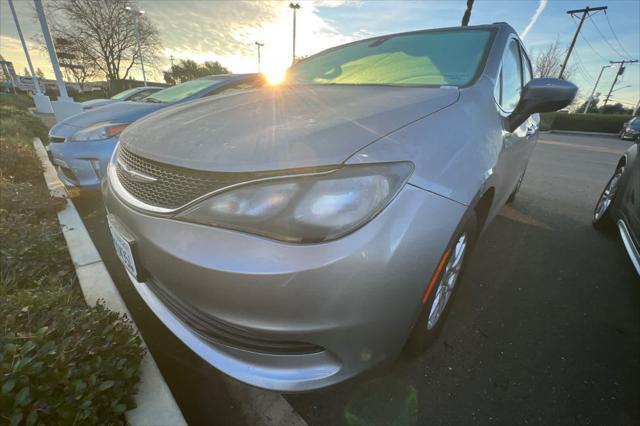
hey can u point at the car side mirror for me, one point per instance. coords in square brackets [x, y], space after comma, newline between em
[542, 95]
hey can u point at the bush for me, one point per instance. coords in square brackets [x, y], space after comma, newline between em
[64, 363]
[18, 123]
[61, 362]
[604, 123]
[20, 100]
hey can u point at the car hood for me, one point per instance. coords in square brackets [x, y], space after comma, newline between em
[280, 127]
[119, 112]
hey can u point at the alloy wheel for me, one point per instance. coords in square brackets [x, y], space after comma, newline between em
[607, 196]
[448, 281]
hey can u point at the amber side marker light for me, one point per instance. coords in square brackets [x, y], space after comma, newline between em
[435, 276]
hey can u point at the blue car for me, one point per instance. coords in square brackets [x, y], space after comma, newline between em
[81, 146]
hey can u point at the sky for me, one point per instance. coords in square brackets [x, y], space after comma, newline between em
[226, 31]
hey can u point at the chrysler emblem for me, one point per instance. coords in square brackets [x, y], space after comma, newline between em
[135, 175]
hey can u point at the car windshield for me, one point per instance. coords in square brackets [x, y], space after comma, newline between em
[635, 124]
[180, 91]
[415, 59]
[123, 95]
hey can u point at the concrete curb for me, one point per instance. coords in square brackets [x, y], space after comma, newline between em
[156, 405]
[575, 132]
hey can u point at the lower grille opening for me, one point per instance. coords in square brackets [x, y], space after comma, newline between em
[220, 332]
[68, 174]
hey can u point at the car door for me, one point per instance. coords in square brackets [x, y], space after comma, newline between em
[514, 144]
[630, 203]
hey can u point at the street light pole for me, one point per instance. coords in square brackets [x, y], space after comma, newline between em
[259, 46]
[295, 7]
[36, 85]
[52, 52]
[137, 13]
[594, 88]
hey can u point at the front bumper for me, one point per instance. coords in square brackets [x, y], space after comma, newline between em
[82, 164]
[355, 298]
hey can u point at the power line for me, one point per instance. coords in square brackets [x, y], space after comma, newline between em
[584, 38]
[618, 74]
[616, 36]
[605, 39]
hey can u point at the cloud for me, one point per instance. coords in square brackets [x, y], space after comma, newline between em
[534, 18]
[11, 50]
[226, 31]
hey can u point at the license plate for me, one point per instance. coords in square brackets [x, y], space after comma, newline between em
[124, 248]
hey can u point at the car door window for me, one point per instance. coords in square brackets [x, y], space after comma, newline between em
[141, 95]
[511, 77]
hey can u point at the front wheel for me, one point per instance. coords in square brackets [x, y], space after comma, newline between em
[441, 289]
[602, 211]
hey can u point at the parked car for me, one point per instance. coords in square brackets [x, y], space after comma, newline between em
[619, 203]
[295, 236]
[81, 145]
[631, 129]
[135, 94]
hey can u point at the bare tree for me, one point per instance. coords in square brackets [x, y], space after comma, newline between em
[77, 65]
[547, 62]
[103, 34]
[467, 13]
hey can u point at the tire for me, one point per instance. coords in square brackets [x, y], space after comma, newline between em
[512, 197]
[602, 211]
[433, 315]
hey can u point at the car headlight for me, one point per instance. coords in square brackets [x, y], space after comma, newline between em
[305, 208]
[99, 131]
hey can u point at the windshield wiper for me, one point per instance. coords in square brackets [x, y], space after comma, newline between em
[152, 101]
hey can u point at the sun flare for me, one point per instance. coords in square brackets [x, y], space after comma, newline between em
[275, 76]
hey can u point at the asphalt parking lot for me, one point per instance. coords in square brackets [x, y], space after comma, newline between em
[545, 328]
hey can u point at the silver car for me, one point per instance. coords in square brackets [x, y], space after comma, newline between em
[133, 95]
[297, 235]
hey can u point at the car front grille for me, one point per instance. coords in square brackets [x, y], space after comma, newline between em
[219, 332]
[174, 186]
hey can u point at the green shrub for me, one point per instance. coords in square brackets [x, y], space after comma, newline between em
[18, 123]
[62, 362]
[33, 252]
[20, 100]
[18, 161]
[604, 123]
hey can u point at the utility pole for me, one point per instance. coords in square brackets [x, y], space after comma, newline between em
[585, 14]
[171, 59]
[635, 110]
[257, 43]
[295, 7]
[137, 13]
[595, 86]
[618, 74]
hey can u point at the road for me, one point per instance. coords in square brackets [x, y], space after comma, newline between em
[545, 328]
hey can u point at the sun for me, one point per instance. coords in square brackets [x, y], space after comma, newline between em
[275, 76]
